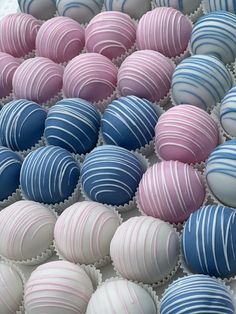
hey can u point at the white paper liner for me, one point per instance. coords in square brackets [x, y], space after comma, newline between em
[118, 60]
[223, 135]
[94, 274]
[23, 279]
[98, 264]
[146, 287]
[16, 196]
[39, 144]
[6, 100]
[29, 55]
[132, 203]
[48, 104]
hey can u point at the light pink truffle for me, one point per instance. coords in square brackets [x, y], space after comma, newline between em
[90, 76]
[8, 66]
[186, 133]
[38, 79]
[60, 39]
[111, 34]
[170, 191]
[165, 30]
[18, 34]
[146, 74]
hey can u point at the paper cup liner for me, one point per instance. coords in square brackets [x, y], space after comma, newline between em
[16, 196]
[48, 104]
[146, 287]
[59, 207]
[223, 135]
[29, 55]
[6, 100]
[94, 274]
[23, 279]
[99, 263]
[40, 143]
[118, 60]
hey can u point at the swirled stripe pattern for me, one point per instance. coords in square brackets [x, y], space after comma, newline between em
[165, 30]
[41, 10]
[228, 112]
[201, 81]
[220, 5]
[144, 249]
[73, 124]
[10, 166]
[184, 6]
[110, 34]
[38, 79]
[58, 286]
[8, 66]
[80, 10]
[186, 133]
[220, 168]
[170, 191]
[18, 34]
[111, 174]
[84, 231]
[215, 34]
[145, 74]
[129, 122]
[123, 296]
[49, 175]
[90, 76]
[197, 294]
[21, 124]
[23, 227]
[208, 241]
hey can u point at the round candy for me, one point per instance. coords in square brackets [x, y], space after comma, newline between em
[145, 249]
[58, 287]
[42, 10]
[10, 165]
[220, 173]
[90, 76]
[38, 79]
[115, 42]
[201, 81]
[80, 10]
[21, 124]
[146, 74]
[121, 296]
[171, 191]
[73, 124]
[49, 175]
[135, 8]
[84, 231]
[197, 294]
[8, 66]
[18, 33]
[228, 112]
[129, 122]
[26, 230]
[11, 289]
[206, 227]
[111, 174]
[185, 6]
[60, 39]
[214, 34]
[170, 32]
[219, 5]
[186, 133]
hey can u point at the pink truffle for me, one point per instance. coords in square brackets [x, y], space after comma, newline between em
[18, 34]
[8, 66]
[186, 133]
[146, 74]
[38, 79]
[165, 30]
[90, 76]
[170, 191]
[110, 34]
[60, 39]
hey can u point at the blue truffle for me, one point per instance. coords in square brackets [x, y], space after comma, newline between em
[208, 241]
[73, 124]
[111, 175]
[49, 175]
[10, 165]
[129, 122]
[197, 294]
[21, 124]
